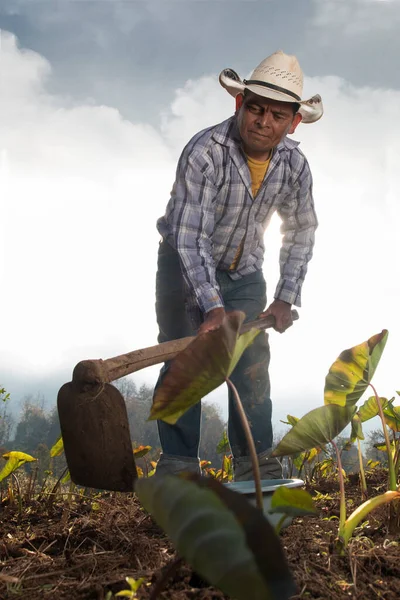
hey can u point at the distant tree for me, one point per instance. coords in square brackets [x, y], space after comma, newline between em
[138, 403]
[212, 429]
[6, 420]
[144, 432]
[375, 437]
[33, 426]
[54, 430]
[349, 455]
[350, 460]
[4, 395]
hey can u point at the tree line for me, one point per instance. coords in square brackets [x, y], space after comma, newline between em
[37, 429]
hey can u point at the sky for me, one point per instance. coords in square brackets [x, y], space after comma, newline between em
[98, 99]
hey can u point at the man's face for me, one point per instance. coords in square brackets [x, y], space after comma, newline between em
[263, 123]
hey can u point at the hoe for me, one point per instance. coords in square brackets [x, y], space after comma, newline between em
[93, 417]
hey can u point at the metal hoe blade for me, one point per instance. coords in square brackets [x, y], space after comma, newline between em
[95, 430]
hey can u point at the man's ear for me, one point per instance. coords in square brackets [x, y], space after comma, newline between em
[239, 102]
[296, 120]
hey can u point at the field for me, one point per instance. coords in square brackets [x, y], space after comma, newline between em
[83, 547]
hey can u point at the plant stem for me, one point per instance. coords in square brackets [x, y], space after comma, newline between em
[250, 442]
[19, 494]
[392, 474]
[56, 486]
[362, 511]
[281, 521]
[302, 464]
[397, 461]
[222, 467]
[342, 520]
[362, 473]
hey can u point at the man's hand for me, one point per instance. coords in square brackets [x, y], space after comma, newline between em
[212, 320]
[282, 312]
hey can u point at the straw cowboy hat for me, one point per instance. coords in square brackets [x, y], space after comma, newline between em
[278, 77]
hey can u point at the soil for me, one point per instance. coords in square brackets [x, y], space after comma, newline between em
[86, 548]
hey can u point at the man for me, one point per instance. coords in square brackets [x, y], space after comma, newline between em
[230, 179]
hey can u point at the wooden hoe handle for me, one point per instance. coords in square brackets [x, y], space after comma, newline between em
[104, 371]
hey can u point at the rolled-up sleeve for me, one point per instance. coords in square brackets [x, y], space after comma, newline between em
[191, 221]
[299, 222]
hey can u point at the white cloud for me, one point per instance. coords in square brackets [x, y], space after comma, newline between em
[81, 189]
[357, 16]
[198, 105]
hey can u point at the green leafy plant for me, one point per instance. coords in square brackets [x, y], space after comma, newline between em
[225, 473]
[222, 536]
[291, 503]
[347, 380]
[141, 452]
[134, 585]
[15, 460]
[391, 415]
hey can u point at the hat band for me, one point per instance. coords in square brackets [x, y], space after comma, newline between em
[271, 86]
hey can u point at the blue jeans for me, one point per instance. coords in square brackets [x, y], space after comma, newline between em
[250, 376]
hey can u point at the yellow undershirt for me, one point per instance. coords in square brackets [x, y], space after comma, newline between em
[258, 170]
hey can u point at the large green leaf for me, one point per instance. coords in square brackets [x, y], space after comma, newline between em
[353, 370]
[14, 461]
[392, 416]
[316, 428]
[294, 502]
[383, 448]
[370, 408]
[220, 534]
[200, 368]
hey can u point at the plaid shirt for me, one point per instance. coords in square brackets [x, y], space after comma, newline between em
[212, 209]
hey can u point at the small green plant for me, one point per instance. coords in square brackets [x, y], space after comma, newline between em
[225, 473]
[291, 503]
[140, 452]
[134, 585]
[15, 460]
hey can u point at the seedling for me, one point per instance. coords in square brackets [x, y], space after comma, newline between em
[15, 460]
[134, 585]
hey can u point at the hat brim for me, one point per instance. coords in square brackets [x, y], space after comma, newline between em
[311, 110]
